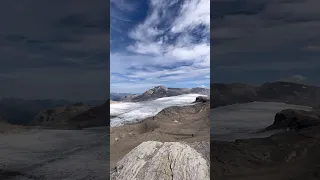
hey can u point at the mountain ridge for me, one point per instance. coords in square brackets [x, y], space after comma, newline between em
[287, 92]
[162, 91]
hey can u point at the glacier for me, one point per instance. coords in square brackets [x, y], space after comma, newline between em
[128, 112]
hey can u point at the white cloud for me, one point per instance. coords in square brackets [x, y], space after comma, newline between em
[151, 39]
[166, 38]
[192, 14]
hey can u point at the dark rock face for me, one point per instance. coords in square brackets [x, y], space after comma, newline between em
[202, 99]
[295, 119]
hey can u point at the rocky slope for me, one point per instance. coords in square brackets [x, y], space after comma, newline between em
[75, 116]
[94, 117]
[167, 161]
[290, 155]
[161, 91]
[58, 117]
[292, 93]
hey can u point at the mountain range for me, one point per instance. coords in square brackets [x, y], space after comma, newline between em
[162, 91]
[291, 93]
[117, 96]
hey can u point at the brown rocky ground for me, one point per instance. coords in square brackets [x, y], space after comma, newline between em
[187, 123]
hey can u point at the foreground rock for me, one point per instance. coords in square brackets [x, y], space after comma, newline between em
[166, 161]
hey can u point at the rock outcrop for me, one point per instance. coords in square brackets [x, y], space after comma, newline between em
[166, 161]
[202, 99]
[295, 119]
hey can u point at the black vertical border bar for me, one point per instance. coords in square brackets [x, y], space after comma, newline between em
[108, 83]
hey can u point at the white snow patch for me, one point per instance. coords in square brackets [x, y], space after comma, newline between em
[133, 112]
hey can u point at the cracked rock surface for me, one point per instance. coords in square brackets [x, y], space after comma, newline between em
[165, 161]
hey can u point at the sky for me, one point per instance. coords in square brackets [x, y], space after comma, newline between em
[54, 49]
[159, 42]
[257, 41]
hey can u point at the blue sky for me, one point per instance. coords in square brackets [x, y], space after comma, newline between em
[159, 42]
[255, 41]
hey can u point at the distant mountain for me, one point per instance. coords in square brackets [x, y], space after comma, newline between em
[161, 91]
[118, 96]
[19, 111]
[292, 93]
[129, 97]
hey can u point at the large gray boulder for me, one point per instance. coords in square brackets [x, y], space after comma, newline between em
[165, 161]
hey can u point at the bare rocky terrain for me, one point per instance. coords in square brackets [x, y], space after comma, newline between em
[188, 124]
